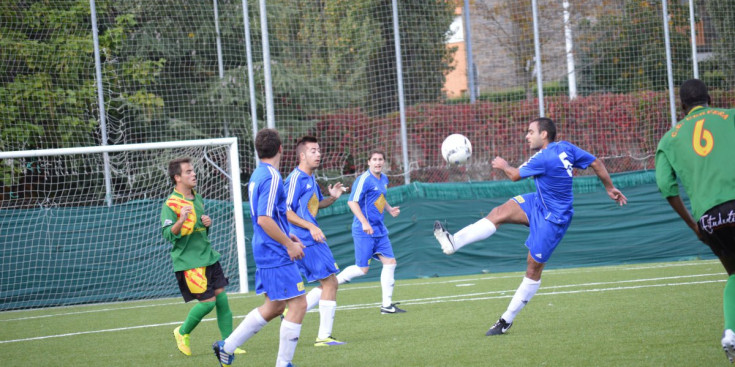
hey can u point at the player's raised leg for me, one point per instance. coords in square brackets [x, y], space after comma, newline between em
[509, 212]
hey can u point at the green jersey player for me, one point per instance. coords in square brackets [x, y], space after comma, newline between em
[698, 152]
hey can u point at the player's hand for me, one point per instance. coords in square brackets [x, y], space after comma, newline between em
[394, 211]
[499, 163]
[317, 234]
[337, 190]
[618, 196]
[206, 220]
[295, 249]
[185, 211]
[367, 228]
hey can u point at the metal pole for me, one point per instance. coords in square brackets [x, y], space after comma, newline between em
[669, 68]
[401, 103]
[568, 39]
[270, 113]
[695, 63]
[242, 263]
[470, 60]
[219, 53]
[101, 102]
[537, 47]
[251, 78]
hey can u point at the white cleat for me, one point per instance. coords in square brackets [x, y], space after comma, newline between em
[446, 240]
[728, 344]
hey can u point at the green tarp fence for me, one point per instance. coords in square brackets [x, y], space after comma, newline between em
[40, 263]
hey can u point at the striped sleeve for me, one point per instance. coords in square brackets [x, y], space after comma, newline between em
[292, 182]
[359, 185]
[273, 191]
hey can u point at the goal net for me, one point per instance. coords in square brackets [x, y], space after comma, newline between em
[73, 233]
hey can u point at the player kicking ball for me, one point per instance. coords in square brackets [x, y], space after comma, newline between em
[547, 212]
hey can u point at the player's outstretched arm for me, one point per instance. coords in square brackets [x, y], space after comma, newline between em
[513, 173]
[334, 193]
[604, 176]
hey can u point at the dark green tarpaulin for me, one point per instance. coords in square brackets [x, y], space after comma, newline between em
[63, 256]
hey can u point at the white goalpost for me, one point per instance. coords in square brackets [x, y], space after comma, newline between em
[68, 238]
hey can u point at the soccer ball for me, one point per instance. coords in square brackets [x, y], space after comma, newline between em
[456, 149]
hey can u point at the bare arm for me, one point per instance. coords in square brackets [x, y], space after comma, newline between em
[604, 177]
[680, 208]
[513, 173]
[292, 244]
[355, 207]
[335, 192]
[316, 232]
[392, 210]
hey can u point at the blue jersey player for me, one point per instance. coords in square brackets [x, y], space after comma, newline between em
[367, 202]
[547, 212]
[277, 276]
[303, 201]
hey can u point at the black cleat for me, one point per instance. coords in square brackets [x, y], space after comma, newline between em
[391, 309]
[500, 327]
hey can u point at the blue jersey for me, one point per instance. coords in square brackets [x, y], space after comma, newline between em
[369, 191]
[551, 169]
[302, 197]
[267, 198]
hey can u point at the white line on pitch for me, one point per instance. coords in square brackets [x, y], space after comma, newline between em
[420, 301]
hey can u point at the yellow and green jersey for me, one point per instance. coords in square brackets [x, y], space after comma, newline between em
[699, 152]
[191, 247]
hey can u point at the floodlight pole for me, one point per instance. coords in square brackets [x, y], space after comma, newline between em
[101, 102]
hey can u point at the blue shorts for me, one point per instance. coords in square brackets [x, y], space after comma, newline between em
[544, 235]
[367, 247]
[280, 283]
[318, 262]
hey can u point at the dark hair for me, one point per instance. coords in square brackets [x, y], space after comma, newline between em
[548, 125]
[174, 168]
[376, 151]
[267, 143]
[693, 92]
[301, 144]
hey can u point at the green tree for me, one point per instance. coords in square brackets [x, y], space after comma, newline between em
[722, 15]
[623, 50]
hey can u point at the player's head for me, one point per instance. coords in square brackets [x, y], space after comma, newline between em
[376, 159]
[181, 171]
[541, 131]
[693, 92]
[267, 143]
[307, 149]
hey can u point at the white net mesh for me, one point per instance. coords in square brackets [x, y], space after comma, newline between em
[62, 243]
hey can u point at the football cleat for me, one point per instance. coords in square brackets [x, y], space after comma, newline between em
[224, 358]
[182, 342]
[327, 342]
[500, 327]
[728, 344]
[446, 240]
[391, 309]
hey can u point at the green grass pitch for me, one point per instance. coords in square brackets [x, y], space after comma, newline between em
[662, 314]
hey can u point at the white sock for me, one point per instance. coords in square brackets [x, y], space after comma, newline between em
[524, 293]
[289, 338]
[350, 272]
[312, 298]
[386, 282]
[326, 318]
[474, 232]
[252, 323]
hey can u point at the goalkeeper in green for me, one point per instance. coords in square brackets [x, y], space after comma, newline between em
[196, 263]
[699, 151]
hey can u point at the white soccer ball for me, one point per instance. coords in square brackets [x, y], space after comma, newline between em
[456, 149]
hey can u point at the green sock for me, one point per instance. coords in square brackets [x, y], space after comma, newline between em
[728, 303]
[224, 315]
[195, 316]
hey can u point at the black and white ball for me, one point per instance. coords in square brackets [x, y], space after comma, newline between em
[456, 149]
